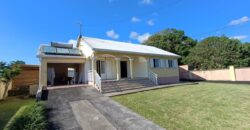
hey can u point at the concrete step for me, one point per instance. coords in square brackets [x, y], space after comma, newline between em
[123, 85]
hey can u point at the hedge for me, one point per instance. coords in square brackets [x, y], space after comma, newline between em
[29, 117]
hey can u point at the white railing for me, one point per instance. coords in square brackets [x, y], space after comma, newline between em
[96, 80]
[153, 77]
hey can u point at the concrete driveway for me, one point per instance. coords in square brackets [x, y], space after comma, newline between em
[84, 108]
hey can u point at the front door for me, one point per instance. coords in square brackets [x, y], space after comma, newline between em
[100, 68]
[124, 73]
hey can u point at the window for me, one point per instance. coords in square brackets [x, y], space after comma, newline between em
[156, 63]
[100, 67]
[172, 63]
[163, 63]
[71, 72]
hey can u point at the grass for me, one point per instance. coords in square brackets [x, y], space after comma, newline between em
[194, 107]
[9, 107]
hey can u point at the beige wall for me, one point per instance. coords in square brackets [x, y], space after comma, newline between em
[223, 75]
[229, 74]
[242, 74]
[140, 65]
[166, 72]
[2, 88]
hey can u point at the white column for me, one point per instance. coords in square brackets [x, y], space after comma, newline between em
[131, 68]
[117, 60]
[93, 68]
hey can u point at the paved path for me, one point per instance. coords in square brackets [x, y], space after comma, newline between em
[84, 108]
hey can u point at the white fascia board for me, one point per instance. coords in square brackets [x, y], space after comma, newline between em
[129, 52]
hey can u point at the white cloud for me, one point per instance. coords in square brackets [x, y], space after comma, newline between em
[133, 35]
[239, 37]
[140, 38]
[111, 33]
[151, 22]
[135, 19]
[71, 41]
[242, 20]
[148, 2]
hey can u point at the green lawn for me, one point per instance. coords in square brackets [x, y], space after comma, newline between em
[194, 107]
[9, 107]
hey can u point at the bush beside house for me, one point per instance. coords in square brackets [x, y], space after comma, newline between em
[29, 117]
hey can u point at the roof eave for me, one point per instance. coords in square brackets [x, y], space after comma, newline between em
[129, 52]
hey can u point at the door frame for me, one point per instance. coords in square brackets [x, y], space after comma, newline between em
[101, 68]
[122, 71]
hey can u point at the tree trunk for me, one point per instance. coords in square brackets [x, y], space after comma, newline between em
[6, 90]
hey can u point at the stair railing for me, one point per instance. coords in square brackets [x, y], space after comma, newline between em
[96, 80]
[153, 77]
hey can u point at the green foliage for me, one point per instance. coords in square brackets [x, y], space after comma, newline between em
[10, 106]
[17, 62]
[174, 41]
[210, 53]
[8, 72]
[30, 117]
[245, 54]
[216, 52]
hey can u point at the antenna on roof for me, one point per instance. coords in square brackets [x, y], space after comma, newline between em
[80, 27]
[80, 35]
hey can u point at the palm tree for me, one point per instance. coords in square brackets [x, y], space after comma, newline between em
[7, 73]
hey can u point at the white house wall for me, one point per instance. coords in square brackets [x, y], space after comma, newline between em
[140, 67]
[87, 67]
[87, 50]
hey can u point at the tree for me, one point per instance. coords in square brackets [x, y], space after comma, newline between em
[8, 72]
[17, 62]
[215, 52]
[172, 40]
[245, 54]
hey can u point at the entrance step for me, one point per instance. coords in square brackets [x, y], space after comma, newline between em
[126, 84]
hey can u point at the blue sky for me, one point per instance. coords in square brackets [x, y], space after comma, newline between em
[26, 24]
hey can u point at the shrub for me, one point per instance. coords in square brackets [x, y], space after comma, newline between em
[29, 117]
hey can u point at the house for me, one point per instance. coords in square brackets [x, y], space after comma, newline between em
[95, 61]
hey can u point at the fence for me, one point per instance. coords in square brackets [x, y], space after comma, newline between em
[29, 76]
[229, 74]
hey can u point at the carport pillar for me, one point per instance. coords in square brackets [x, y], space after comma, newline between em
[131, 68]
[117, 60]
[93, 69]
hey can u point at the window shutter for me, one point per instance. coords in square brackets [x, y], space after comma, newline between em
[175, 64]
[163, 63]
[167, 66]
[151, 61]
